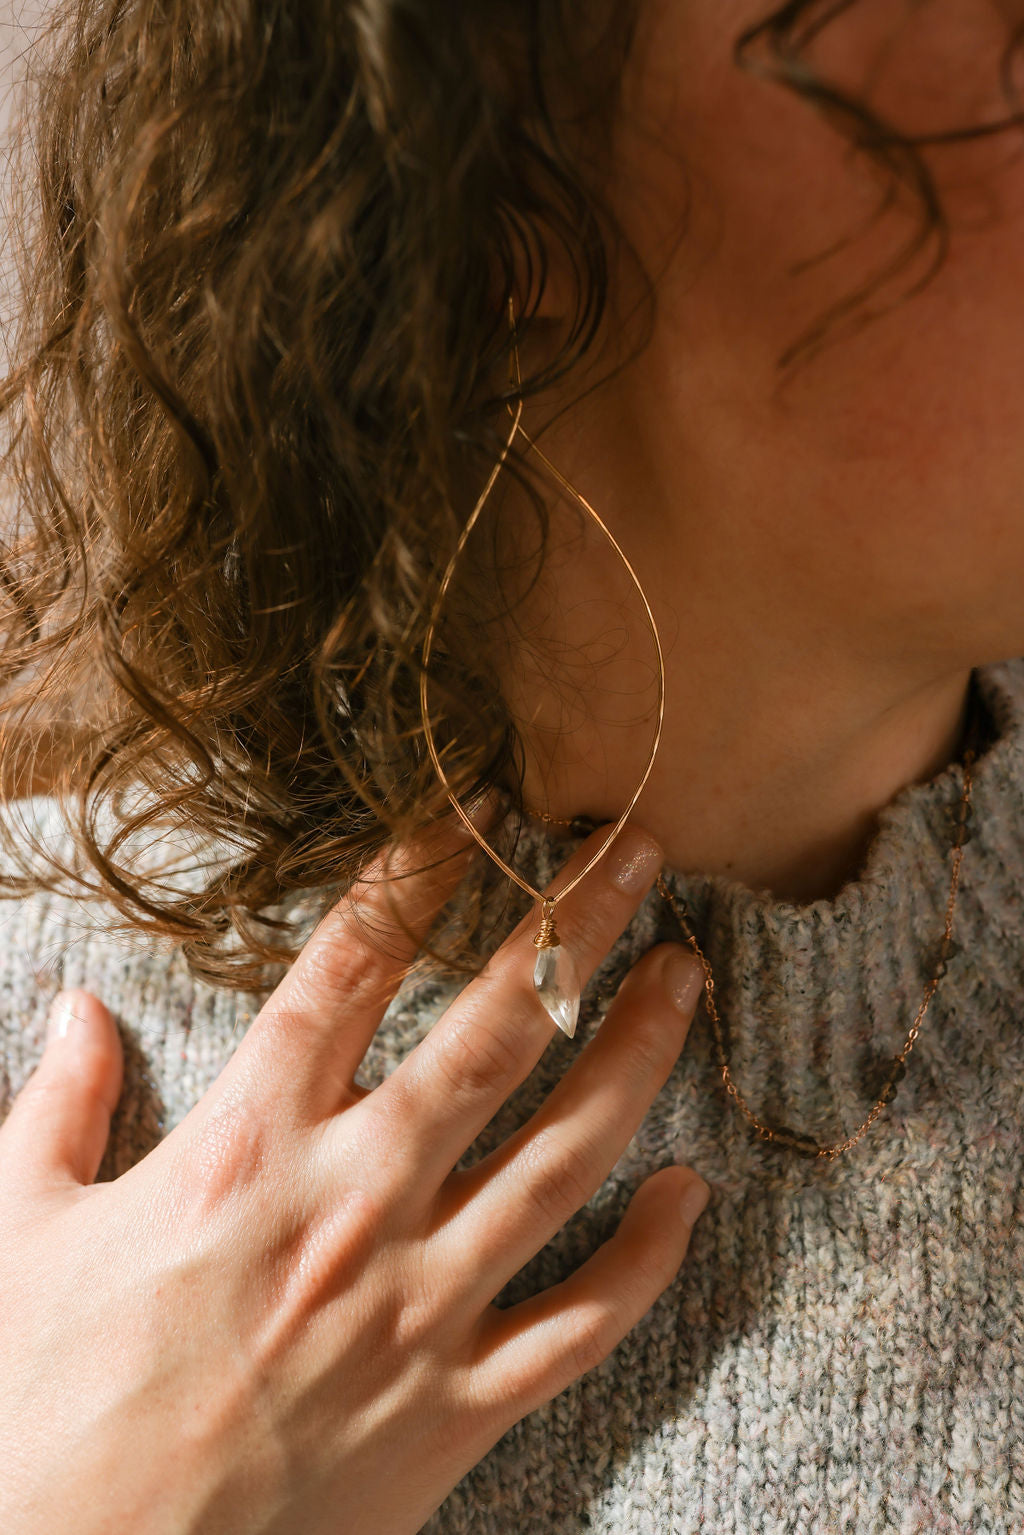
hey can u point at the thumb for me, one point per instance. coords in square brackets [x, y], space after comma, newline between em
[58, 1127]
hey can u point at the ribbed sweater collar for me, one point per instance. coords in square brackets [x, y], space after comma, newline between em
[812, 995]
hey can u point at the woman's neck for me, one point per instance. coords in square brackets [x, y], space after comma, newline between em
[778, 750]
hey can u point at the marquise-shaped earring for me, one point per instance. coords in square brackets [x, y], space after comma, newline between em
[556, 978]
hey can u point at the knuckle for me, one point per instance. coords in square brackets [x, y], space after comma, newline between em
[327, 1253]
[477, 1060]
[226, 1154]
[591, 1333]
[334, 970]
[482, 1410]
[593, 929]
[355, 1223]
[476, 1415]
[559, 1177]
[652, 1049]
[416, 1324]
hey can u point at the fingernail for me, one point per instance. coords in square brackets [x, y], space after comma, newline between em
[633, 860]
[64, 1016]
[694, 1200]
[684, 979]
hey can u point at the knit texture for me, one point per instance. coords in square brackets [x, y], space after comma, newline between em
[841, 1350]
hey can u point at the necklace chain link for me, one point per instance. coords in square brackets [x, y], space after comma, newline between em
[895, 1068]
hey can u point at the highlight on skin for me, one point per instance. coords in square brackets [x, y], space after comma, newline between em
[258, 374]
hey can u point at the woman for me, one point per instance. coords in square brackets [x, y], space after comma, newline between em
[403, 1256]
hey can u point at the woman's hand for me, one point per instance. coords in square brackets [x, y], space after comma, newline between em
[281, 1319]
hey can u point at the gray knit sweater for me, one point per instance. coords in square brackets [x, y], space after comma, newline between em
[841, 1350]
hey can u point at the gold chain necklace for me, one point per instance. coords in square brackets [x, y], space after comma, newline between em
[892, 1071]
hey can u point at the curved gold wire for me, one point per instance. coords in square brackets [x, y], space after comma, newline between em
[516, 412]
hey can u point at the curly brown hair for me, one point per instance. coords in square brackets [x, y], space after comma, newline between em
[266, 256]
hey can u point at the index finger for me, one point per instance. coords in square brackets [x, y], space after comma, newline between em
[305, 1046]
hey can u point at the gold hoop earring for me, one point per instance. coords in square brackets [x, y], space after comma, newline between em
[555, 975]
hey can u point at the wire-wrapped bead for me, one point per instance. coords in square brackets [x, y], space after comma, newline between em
[803, 1145]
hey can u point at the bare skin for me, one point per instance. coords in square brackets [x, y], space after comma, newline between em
[827, 559]
[281, 1318]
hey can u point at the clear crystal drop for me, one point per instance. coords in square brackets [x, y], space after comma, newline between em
[557, 982]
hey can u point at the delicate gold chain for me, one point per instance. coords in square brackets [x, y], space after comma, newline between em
[805, 1145]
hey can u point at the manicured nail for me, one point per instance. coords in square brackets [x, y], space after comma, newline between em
[694, 1200]
[65, 1015]
[684, 978]
[633, 860]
